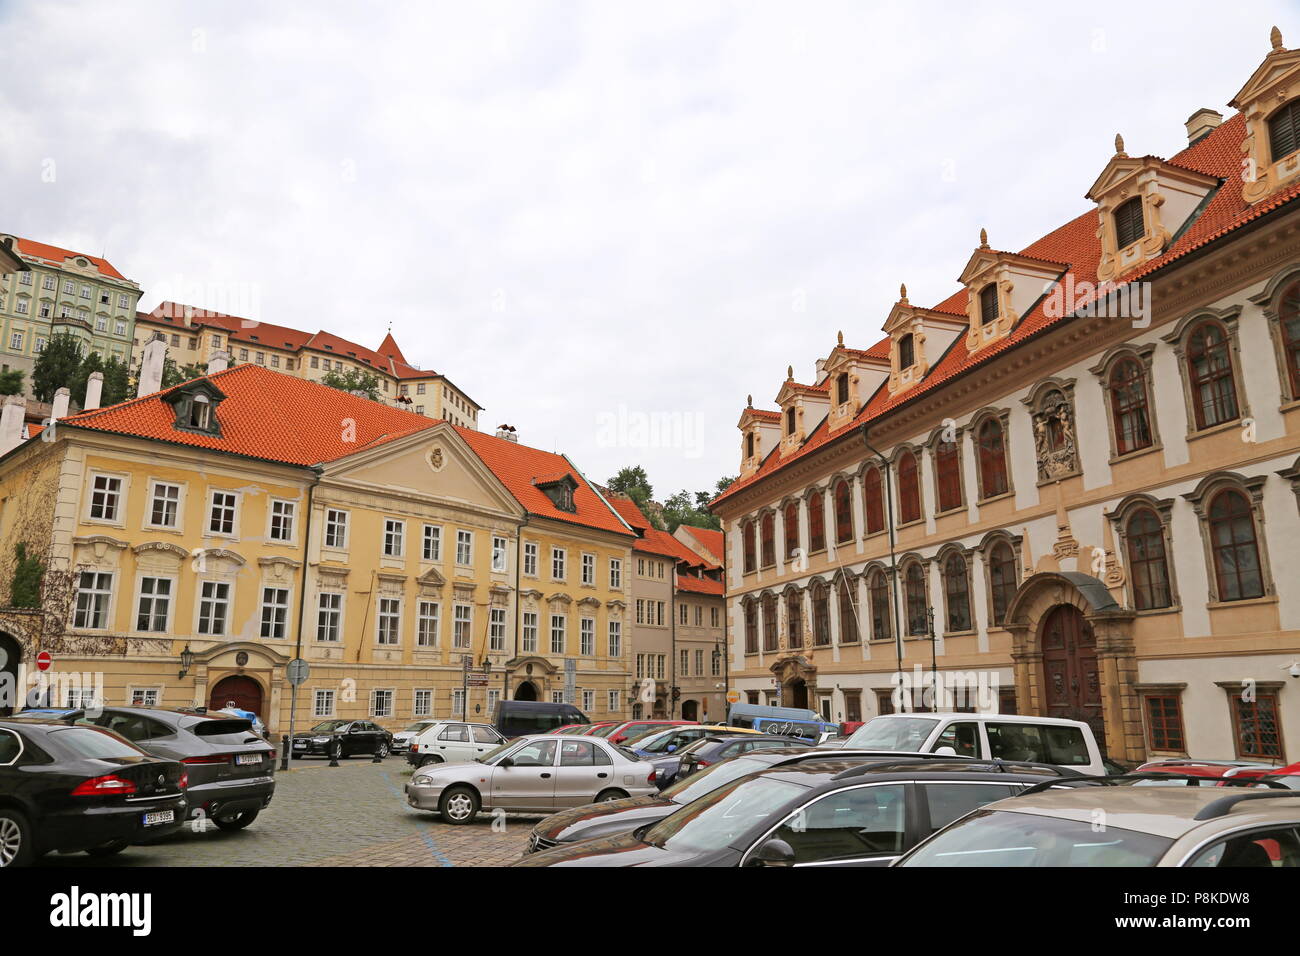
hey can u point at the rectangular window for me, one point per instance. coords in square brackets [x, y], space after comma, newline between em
[685, 669]
[660, 663]
[426, 624]
[530, 558]
[587, 636]
[659, 613]
[613, 702]
[432, 544]
[282, 514]
[615, 639]
[329, 616]
[716, 669]
[463, 621]
[458, 703]
[336, 528]
[615, 574]
[557, 633]
[713, 617]
[423, 703]
[558, 556]
[164, 507]
[214, 607]
[155, 603]
[588, 701]
[381, 703]
[683, 612]
[493, 698]
[589, 569]
[323, 703]
[557, 697]
[221, 519]
[394, 537]
[530, 632]
[105, 497]
[640, 610]
[275, 612]
[465, 548]
[1165, 723]
[1255, 723]
[389, 621]
[16, 342]
[498, 553]
[144, 696]
[497, 629]
[699, 663]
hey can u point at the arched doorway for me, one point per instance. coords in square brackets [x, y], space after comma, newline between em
[244, 691]
[527, 690]
[1071, 678]
[10, 656]
[690, 710]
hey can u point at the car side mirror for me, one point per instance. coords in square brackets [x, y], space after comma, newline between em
[505, 762]
[773, 853]
[946, 752]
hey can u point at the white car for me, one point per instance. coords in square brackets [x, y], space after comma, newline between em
[1050, 740]
[451, 741]
[402, 739]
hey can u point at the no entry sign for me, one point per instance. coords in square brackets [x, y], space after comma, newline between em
[44, 661]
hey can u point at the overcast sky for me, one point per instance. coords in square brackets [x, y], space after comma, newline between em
[607, 222]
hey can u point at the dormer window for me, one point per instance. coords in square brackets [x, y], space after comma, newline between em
[989, 304]
[200, 413]
[1129, 223]
[1284, 131]
[789, 420]
[560, 491]
[906, 351]
[195, 405]
[749, 445]
[842, 388]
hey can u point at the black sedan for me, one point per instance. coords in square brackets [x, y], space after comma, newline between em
[709, 750]
[830, 812]
[343, 738]
[70, 788]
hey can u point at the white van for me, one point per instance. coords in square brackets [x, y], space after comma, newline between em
[1050, 740]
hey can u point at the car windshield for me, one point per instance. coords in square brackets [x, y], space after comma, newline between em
[93, 742]
[655, 741]
[1005, 838]
[892, 733]
[604, 731]
[495, 752]
[723, 816]
[328, 726]
[711, 778]
[418, 726]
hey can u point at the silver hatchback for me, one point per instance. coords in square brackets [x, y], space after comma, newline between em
[536, 774]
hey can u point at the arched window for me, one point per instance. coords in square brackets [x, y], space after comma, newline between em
[947, 470]
[1128, 405]
[843, 512]
[1289, 326]
[751, 627]
[1234, 547]
[848, 613]
[957, 592]
[794, 617]
[906, 352]
[791, 523]
[770, 639]
[767, 534]
[1209, 369]
[1002, 579]
[878, 598]
[1129, 224]
[821, 615]
[989, 303]
[1284, 131]
[816, 522]
[749, 546]
[993, 459]
[873, 500]
[1148, 565]
[909, 488]
[918, 624]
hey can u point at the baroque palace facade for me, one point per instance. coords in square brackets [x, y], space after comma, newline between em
[197, 539]
[1077, 478]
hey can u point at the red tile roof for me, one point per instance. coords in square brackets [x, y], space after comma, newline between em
[690, 583]
[1076, 245]
[627, 508]
[663, 544]
[712, 541]
[56, 256]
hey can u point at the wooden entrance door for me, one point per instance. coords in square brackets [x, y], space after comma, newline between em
[244, 691]
[1071, 680]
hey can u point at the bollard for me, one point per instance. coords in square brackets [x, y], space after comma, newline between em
[378, 758]
[284, 751]
[335, 748]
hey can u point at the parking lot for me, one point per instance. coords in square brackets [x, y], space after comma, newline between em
[351, 815]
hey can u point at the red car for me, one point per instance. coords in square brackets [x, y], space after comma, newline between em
[621, 733]
[1225, 770]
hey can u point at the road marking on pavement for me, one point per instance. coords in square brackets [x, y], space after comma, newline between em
[424, 835]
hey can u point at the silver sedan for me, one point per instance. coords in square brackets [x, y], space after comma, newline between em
[536, 774]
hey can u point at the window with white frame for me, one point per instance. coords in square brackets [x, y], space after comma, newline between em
[221, 517]
[699, 663]
[164, 505]
[615, 638]
[94, 591]
[462, 621]
[381, 703]
[282, 515]
[493, 698]
[155, 604]
[275, 612]
[558, 556]
[557, 697]
[105, 497]
[497, 629]
[336, 528]
[465, 547]
[660, 662]
[323, 703]
[614, 702]
[423, 703]
[426, 624]
[558, 622]
[432, 544]
[458, 702]
[81, 698]
[498, 553]
[588, 569]
[587, 636]
[615, 574]
[588, 701]
[530, 632]
[389, 621]
[144, 696]
[214, 607]
[685, 664]
[530, 558]
[329, 616]
[394, 537]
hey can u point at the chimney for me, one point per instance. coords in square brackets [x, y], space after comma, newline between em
[821, 371]
[94, 388]
[59, 408]
[11, 423]
[1201, 122]
[507, 432]
[218, 361]
[151, 366]
[187, 315]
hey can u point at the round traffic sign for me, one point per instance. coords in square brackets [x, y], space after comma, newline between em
[733, 696]
[44, 661]
[297, 671]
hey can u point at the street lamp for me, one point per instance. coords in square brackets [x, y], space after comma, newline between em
[187, 661]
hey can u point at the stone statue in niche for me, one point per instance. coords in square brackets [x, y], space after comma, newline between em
[1054, 437]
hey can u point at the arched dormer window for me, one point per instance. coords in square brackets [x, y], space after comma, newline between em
[906, 351]
[1284, 131]
[789, 420]
[989, 303]
[1130, 226]
[200, 413]
[842, 388]
[195, 407]
[749, 445]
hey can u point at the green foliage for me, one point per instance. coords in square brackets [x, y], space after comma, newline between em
[174, 374]
[117, 382]
[26, 589]
[685, 508]
[57, 366]
[632, 481]
[11, 382]
[681, 508]
[354, 380]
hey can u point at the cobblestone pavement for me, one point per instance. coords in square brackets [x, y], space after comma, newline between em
[351, 815]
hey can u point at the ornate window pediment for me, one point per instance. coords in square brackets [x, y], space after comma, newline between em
[1271, 149]
[760, 432]
[852, 376]
[918, 337]
[802, 409]
[1001, 287]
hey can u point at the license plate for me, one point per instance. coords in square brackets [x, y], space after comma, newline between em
[248, 758]
[160, 816]
[300, 745]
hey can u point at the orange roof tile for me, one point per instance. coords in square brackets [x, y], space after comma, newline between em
[627, 508]
[693, 585]
[713, 541]
[55, 256]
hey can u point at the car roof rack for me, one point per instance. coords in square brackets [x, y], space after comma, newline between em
[1120, 779]
[975, 765]
[1223, 805]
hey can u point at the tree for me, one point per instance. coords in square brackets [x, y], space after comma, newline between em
[77, 384]
[632, 481]
[174, 374]
[117, 382]
[26, 589]
[353, 380]
[11, 382]
[57, 366]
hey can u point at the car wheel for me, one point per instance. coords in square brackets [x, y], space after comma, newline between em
[337, 751]
[459, 805]
[15, 839]
[605, 796]
[383, 749]
[237, 821]
[108, 849]
[428, 759]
